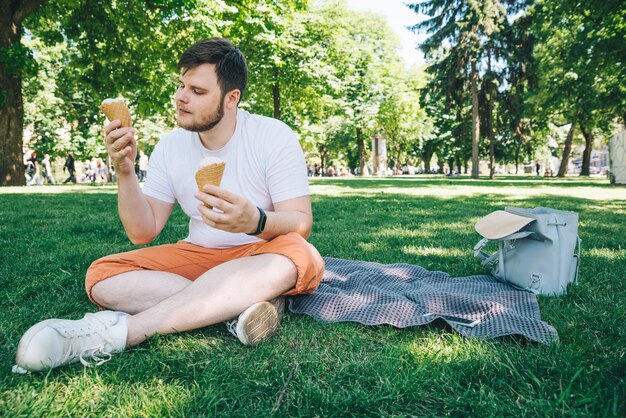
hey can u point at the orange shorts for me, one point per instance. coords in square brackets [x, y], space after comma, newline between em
[191, 261]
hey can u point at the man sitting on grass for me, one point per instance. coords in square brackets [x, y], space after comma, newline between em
[250, 249]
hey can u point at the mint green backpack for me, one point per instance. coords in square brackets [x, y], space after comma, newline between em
[538, 249]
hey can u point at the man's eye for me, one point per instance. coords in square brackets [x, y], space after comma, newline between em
[198, 92]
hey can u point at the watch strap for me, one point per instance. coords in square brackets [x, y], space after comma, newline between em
[261, 225]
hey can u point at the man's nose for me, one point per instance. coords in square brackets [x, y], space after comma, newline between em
[180, 95]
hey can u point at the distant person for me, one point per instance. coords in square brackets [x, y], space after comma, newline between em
[70, 167]
[29, 169]
[102, 171]
[143, 166]
[32, 169]
[93, 169]
[46, 170]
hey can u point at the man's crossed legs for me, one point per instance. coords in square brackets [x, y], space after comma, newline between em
[175, 288]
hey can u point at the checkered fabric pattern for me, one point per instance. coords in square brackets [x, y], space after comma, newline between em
[405, 295]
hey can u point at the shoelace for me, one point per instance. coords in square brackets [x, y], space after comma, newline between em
[96, 353]
[232, 327]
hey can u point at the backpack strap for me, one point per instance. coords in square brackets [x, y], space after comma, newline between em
[483, 242]
[505, 244]
[578, 242]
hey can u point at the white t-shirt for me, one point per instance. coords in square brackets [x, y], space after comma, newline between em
[264, 163]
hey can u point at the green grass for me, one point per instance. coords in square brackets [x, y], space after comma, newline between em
[50, 235]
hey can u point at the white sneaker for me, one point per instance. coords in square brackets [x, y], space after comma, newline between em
[259, 322]
[57, 342]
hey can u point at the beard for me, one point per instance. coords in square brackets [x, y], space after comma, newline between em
[208, 123]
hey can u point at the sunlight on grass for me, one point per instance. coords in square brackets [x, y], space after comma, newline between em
[411, 186]
[452, 192]
[404, 233]
[447, 348]
[440, 251]
[366, 246]
[75, 188]
[607, 254]
[447, 226]
[615, 208]
[152, 397]
[190, 347]
[118, 397]
[515, 187]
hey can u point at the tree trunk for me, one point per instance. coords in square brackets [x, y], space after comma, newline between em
[323, 159]
[361, 146]
[426, 157]
[490, 134]
[489, 97]
[492, 158]
[584, 171]
[276, 96]
[11, 106]
[566, 150]
[11, 131]
[475, 119]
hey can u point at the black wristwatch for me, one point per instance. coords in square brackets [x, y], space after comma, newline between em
[261, 226]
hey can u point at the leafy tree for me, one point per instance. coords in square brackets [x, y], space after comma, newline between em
[401, 118]
[463, 30]
[275, 38]
[45, 123]
[364, 49]
[517, 133]
[120, 48]
[580, 53]
[313, 68]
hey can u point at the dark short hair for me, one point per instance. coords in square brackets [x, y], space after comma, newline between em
[230, 64]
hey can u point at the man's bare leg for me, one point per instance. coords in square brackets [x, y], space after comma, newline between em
[136, 291]
[218, 295]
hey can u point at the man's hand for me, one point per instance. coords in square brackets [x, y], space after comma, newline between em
[239, 214]
[121, 147]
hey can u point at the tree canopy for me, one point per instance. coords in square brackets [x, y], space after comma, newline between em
[499, 74]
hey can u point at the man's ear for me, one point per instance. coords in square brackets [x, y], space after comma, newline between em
[232, 98]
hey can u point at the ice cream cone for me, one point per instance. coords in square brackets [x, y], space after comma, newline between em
[210, 174]
[116, 109]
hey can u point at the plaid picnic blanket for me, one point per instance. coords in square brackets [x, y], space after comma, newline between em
[406, 295]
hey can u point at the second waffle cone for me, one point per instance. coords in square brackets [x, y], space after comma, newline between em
[211, 174]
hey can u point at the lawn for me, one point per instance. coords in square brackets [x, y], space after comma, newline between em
[50, 234]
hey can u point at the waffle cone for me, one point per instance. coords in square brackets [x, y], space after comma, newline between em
[211, 174]
[117, 110]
